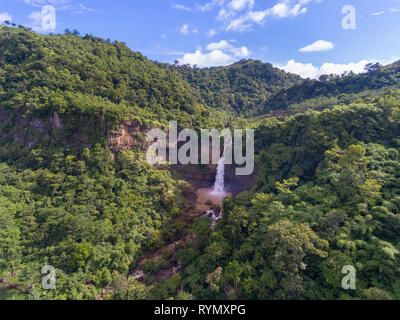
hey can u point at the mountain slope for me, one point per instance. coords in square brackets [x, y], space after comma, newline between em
[331, 90]
[243, 87]
[88, 77]
[327, 192]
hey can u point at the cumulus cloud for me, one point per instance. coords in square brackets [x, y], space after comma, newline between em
[317, 46]
[216, 54]
[5, 17]
[308, 70]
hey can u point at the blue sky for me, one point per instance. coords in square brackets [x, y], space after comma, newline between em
[301, 36]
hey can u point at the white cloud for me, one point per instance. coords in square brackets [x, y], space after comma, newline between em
[44, 20]
[302, 69]
[332, 68]
[378, 13]
[178, 6]
[308, 70]
[221, 45]
[211, 33]
[258, 16]
[286, 9]
[210, 5]
[36, 18]
[216, 54]
[238, 5]
[83, 9]
[317, 46]
[5, 17]
[61, 5]
[214, 58]
[239, 24]
[185, 29]
[238, 15]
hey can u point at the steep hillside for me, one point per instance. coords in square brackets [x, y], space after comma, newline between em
[65, 198]
[243, 87]
[331, 90]
[91, 86]
[76, 193]
[91, 83]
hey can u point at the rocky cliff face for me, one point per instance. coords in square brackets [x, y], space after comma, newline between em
[29, 132]
[123, 138]
[237, 184]
[200, 176]
[129, 135]
[203, 176]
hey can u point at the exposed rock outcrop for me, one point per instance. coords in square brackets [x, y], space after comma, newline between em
[123, 138]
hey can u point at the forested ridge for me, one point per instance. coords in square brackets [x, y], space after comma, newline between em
[328, 171]
[330, 90]
[243, 87]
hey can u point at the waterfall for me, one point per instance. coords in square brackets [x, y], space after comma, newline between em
[218, 192]
[219, 186]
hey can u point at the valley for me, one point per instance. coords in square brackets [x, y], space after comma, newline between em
[77, 193]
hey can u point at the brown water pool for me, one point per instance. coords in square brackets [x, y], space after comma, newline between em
[206, 195]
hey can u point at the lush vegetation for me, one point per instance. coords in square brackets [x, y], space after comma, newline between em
[88, 78]
[243, 87]
[328, 190]
[328, 196]
[331, 90]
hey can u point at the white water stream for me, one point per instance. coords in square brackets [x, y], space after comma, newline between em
[219, 186]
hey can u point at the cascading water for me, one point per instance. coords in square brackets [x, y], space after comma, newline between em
[214, 195]
[219, 186]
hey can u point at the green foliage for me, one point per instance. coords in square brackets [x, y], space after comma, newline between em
[243, 87]
[331, 90]
[327, 197]
[327, 193]
[91, 219]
